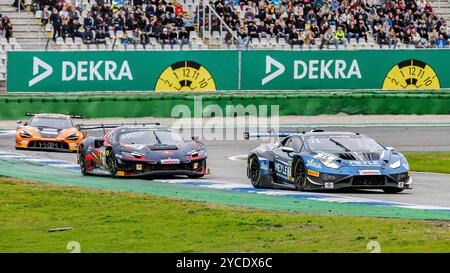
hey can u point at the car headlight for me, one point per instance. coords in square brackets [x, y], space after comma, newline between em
[73, 137]
[24, 134]
[197, 153]
[395, 165]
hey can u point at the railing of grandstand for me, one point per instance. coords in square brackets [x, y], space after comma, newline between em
[207, 17]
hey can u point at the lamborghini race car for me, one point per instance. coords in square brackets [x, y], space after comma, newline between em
[141, 150]
[49, 132]
[319, 160]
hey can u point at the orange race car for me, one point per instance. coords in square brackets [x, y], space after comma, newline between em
[54, 132]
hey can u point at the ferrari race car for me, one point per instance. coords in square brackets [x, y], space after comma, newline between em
[320, 160]
[141, 150]
[49, 132]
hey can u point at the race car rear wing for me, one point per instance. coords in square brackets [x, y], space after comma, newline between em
[272, 133]
[248, 135]
[29, 114]
[84, 127]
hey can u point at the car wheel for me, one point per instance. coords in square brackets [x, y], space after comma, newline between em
[83, 163]
[112, 164]
[300, 174]
[254, 171]
[392, 190]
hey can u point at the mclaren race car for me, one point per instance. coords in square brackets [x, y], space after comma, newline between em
[319, 160]
[54, 132]
[140, 150]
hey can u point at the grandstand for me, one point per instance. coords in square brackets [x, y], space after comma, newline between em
[224, 24]
[261, 25]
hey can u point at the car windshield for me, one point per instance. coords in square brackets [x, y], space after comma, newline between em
[343, 144]
[57, 123]
[149, 137]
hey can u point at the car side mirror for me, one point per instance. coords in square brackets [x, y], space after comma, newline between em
[287, 149]
[390, 148]
[19, 122]
[195, 138]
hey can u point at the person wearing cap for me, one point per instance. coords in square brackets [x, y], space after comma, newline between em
[164, 37]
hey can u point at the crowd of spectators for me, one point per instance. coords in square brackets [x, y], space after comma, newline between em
[336, 22]
[155, 20]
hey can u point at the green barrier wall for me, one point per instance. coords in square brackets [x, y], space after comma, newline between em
[252, 70]
[290, 104]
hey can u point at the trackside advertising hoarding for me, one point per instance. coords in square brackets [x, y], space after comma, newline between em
[219, 70]
[122, 71]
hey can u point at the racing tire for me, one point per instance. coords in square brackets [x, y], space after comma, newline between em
[83, 163]
[299, 174]
[254, 171]
[392, 190]
[112, 164]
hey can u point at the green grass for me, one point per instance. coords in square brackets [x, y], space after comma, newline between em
[436, 162]
[106, 221]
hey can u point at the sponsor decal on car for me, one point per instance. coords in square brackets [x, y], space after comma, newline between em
[363, 163]
[324, 157]
[313, 163]
[167, 153]
[170, 161]
[263, 166]
[313, 173]
[282, 169]
[369, 172]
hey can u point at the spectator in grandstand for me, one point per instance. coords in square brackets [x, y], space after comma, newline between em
[327, 38]
[125, 39]
[100, 36]
[243, 36]
[339, 37]
[415, 38]
[56, 22]
[65, 28]
[382, 37]
[433, 37]
[88, 36]
[295, 37]
[362, 30]
[392, 39]
[352, 31]
[252, 30]
[173, 37]
[309, 37]
[441, 42]
[45, 16]
[88, 21]
[164, 37]
[74, 29]
[7, 27]
[183, 37]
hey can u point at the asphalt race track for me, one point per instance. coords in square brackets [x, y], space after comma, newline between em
[428, 189]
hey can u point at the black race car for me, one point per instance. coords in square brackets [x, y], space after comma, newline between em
[319, 160]
[140, 150]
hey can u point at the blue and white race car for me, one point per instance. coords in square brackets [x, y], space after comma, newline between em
[319, 160]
